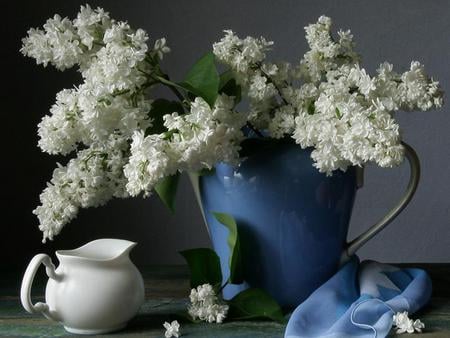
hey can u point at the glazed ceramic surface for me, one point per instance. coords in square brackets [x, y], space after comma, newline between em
[292, 220]
[95, 289]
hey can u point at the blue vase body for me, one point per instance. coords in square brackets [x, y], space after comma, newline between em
[292, 220]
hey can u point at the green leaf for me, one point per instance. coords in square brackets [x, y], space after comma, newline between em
[255, 303]
[206, 172]
[204, 265]
[311, 108]
[224, 78]
[161, 107]
[235, 262]
[203, 79]
[338, 113]
[167, 190]
[229, 86]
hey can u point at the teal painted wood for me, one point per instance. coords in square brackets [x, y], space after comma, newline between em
[166, 291]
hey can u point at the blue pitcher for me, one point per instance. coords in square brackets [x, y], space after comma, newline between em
[292, 220]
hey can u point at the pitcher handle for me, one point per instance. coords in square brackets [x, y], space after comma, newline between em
[27, 282]
[414, 177]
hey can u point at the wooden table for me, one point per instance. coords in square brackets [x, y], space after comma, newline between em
[166, 291]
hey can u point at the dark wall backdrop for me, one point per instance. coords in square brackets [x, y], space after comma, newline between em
[398, 31]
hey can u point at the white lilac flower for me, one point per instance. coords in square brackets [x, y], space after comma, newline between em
[150, 161]
[260, 89]
[403, 324]
[241, 54]
[60, 132]
[418, 325]
[196, 140]
[172, 329]
[81, 117]
[57, 44]
[346, 129]
[89, 180]
[417, 91]
[325, 53]
[208, 135]
[246, 58]
[283, 122]
[160, 48]
[91, 25]
[65, 43]
[119, 65]
[102, 116]
[326, 101]
[279, 73]
[205, 305]
[97, 119]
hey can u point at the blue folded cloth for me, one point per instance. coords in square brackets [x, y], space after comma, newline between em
[360, 301]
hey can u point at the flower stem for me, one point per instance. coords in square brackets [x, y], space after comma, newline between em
[252, 128]
[222, 287]
[274, 84]
[172, 85]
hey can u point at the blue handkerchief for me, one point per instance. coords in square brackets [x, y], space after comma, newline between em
[360, 301]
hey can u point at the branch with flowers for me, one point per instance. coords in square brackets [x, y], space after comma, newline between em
[123, 143]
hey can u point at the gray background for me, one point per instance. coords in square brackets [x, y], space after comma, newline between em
[398, 31]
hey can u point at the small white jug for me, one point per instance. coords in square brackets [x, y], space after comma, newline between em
[95, 289]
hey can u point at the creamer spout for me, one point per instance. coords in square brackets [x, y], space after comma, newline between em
[124, 247]
[105, 249]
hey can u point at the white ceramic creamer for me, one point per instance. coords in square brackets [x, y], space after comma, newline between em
[95, 289]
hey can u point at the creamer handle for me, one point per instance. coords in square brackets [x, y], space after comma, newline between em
[27, 282]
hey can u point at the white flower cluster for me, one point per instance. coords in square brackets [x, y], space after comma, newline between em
[326, 101]
[96, 119]
[345, 114]
[403, 324]
[195, 140]
[205, 305]
[65, 43]
[172, 329]
[89, 180]
[325, 53]
[245, 57]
